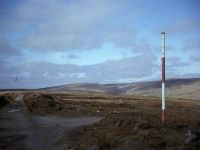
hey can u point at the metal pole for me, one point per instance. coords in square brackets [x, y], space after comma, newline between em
[163, 78]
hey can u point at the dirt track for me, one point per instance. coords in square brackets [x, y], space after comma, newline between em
[20, 130]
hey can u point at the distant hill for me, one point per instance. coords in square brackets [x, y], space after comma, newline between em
[176, 88]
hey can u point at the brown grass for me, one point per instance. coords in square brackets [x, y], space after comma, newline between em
[131, 122]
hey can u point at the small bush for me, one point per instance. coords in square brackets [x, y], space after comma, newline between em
[41, 103]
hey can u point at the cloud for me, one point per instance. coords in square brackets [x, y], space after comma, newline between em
[191, 45]
[175, 61]
[7, 52]
[182, 26]
[175, 67]
[185, 75]
[6, 48]
[67, 25]
[195, 57]
[73, 56]
[122, 37]
[41, 74]
[63, 25]
[174, 64]
[190, 75]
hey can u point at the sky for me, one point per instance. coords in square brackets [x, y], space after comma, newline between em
[56, 42]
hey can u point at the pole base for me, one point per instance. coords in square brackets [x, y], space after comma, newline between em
[163, 116]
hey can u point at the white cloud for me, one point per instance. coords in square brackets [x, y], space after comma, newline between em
[61, 75]
[182, 26]
[195, 57]
[45, 75]
[7, 52]
[59, 25]
[77, 75]
[191, 45]
[48, 74]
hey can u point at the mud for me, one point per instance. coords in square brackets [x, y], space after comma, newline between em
[20, 130]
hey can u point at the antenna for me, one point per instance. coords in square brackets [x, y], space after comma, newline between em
[163, 78]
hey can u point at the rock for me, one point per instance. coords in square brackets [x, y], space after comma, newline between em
[191, 136]
[114, 112]
[19, 98]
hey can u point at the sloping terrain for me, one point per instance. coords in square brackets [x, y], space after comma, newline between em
[176, 88]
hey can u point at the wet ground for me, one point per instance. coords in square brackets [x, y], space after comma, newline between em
[20, 130]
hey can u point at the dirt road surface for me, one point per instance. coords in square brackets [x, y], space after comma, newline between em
[20, 130]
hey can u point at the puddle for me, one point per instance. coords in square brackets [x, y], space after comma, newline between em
[13, 110]
[66, 121]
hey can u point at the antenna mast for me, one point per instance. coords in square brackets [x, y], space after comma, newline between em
[163, 78]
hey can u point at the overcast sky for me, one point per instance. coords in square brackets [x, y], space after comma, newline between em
[55, 42]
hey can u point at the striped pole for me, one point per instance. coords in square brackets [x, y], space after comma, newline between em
[163, 78]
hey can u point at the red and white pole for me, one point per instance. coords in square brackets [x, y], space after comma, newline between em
[163, 79]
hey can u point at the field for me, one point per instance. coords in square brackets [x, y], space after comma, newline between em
[129, 122]
[133, 122]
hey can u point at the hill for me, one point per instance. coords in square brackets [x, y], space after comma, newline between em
[176, 88]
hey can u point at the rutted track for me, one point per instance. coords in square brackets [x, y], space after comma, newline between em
[22, 130]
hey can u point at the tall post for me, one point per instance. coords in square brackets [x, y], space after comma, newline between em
[163, 78]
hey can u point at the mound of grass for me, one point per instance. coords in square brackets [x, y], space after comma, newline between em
[41, 103]
[135, 131]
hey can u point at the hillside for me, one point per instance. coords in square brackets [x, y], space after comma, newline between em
[176, 88]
